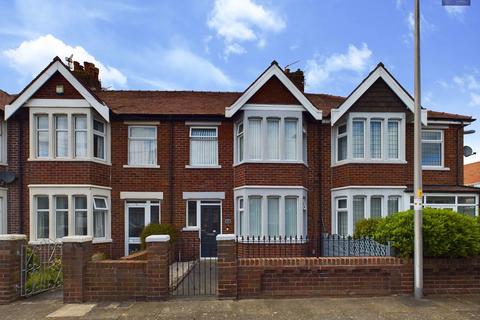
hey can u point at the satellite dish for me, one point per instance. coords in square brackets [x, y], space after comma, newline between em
[467, 151]
[7, 176]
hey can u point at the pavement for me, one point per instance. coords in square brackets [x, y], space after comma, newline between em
[50, 306]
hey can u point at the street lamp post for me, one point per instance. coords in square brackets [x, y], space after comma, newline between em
[417, 169]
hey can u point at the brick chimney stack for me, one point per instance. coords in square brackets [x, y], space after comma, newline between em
[297, 77]
[87, 74]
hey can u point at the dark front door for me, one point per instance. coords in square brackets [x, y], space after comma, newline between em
[210, 217]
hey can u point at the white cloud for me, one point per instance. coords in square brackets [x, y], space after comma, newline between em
[31, 56]
[243, 20]
[455, 11]
[475, 99]
[467, 81]
[319, 70]
[234, 48]
[425, 26]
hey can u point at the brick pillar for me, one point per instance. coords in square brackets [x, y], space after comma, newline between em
[158, 267]
[227, 266]
[76, 253]
[10, 266]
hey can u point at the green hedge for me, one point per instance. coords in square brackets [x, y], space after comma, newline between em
[156, 229]
[445, 233]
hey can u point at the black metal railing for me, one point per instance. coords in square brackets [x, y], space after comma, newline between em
[334, 245]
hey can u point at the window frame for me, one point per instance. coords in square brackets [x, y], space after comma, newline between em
[454, 206]
[442, 149]
[199, 204]
[37, 211]
[102, 135]
[56, 131]
[57, 210]
[37, 136]
[338, 137]
[3, 143]
[130, 139]
[193, 138]
[75, 130]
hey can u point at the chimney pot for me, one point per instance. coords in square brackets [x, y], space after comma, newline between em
[88, 75]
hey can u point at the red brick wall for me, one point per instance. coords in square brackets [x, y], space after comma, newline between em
[116, 280]
[273, 92]
[48, 90]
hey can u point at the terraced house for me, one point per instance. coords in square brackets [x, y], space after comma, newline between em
[270, 161]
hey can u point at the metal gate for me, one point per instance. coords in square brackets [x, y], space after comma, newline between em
[192, 274]
[41, 268]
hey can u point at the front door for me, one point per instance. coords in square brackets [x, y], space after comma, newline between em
[210, 227]
[138, 215]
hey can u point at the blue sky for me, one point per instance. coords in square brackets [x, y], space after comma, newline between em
[223, 45]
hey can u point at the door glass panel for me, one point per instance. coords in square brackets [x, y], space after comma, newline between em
[136, 221]
[155, 214]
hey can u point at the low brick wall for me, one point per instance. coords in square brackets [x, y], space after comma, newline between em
[301, 277]
[116, 280]
[451, 276]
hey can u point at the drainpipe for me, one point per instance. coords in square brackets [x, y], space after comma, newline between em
[170, 168]
[458, 156]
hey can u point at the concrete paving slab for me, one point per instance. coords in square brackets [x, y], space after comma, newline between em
[72, 310]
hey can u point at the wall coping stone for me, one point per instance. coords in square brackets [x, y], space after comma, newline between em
[12, 237]
[77, 239]
[225, 237]
[158, 238]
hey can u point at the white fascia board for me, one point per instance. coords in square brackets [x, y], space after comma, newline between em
[64, 103]
[380, 72]
[102, 109]
[141, 195]
[203, 195]
[273, 70]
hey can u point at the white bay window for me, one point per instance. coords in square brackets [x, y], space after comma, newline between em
[266, 136]
[369, 137]
[271, 212]
[64, 210]
[463, 203]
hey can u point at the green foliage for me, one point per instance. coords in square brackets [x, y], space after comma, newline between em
[40, 277]
[156, 229]
[99, 256]
[445, 233]
[366, 228]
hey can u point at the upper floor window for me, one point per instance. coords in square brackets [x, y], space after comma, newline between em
[203, 146]
[367, 137]
[432, 148]
[67, 134]
[142, 145]
[270, 137]
[3, 142]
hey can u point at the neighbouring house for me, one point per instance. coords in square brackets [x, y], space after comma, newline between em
[269, 161]
[472, 174]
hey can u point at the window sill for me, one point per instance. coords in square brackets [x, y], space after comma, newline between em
[280, 162]
[3, 164]
[153, 166]
[59, 241]
[69, 160]
[101, 240]
[341, 163]
[203, 167]
[426, 168]
[191, 229]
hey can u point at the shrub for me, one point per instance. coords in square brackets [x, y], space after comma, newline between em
[366, 228]
[99, 256]
[445, 233]
[156, 229]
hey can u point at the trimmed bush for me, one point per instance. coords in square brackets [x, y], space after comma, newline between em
[366, 228]
[445, 233]
[157, 229]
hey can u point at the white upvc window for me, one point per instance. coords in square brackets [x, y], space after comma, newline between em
[432, 148]
[63, 210]
[271, 212]
[99, 137]
[464, 203]
[369, 137]
[42, 136]
[194, 211]
[3, 211]
[270, 137]
[142, 145]
[68, 134]
[204, 146]
[353, 204]
[3, 142]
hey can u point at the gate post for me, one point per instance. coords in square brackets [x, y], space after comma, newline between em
[10, 266]
[158, 267]
[76, 253]
[227, 266]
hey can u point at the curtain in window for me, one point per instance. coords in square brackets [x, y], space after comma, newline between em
[393, 139]
[99, 223]
[376, 139]
[393, 204]
[255, 138]
[80, 215]
[290, 217]
[61, 136]
[358, 210]
[203, 147]
[80, 136]
[255, 216]
[376, 207]
[42, 136]
[290, 139]
[240, 142]
[98, 139]
[358, 139]
[273, 212]
[273, 141]
[42, 218]
[142, 148]
[61, 216]
[342, 222]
